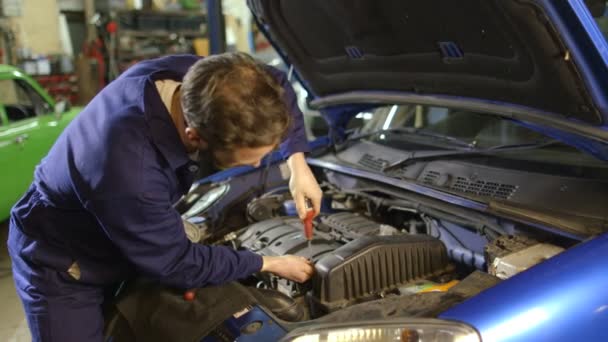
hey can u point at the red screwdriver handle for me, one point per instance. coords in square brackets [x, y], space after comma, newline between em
[310, 214]
[308, 224]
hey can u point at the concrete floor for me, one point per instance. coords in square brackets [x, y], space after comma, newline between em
[13, 327]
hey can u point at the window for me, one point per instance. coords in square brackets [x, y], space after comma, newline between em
[21, 101]
[482, 130]
[419, 127]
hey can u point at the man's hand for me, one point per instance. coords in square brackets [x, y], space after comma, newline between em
[303, 184]
[296, 268]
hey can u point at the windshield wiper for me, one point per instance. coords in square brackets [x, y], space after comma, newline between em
[410, 131]
[427, 155]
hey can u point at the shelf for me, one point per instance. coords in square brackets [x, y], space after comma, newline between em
[165, 30]
[162, 33]
[132, 56]
[182, 13]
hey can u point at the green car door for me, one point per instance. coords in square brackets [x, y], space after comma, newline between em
[29, 128]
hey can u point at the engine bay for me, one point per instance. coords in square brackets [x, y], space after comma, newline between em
[348, 270]
[371, 243]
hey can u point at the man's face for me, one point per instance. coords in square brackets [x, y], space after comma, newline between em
[224, 159]
[242, 156]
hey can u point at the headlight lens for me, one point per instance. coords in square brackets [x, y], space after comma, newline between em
[412, 330]
[203, 202]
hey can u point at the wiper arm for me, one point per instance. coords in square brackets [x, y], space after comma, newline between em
[427, 133]
[411, 131]
[426, 155]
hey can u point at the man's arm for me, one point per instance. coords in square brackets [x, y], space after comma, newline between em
[150, 234]
[302, 183]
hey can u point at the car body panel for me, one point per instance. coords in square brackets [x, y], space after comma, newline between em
[25, 142]
[585, 137]
[560, 299]
[583, 46]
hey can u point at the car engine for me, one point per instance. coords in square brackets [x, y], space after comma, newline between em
[356, 259]
[368, 246]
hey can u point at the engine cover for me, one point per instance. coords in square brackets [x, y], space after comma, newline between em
[284, 235]
[356, 271]
[349, 226]
[281, 236]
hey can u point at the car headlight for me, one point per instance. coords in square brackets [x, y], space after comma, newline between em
[410, 330]
[206, 200]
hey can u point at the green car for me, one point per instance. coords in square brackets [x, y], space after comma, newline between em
[30, 122]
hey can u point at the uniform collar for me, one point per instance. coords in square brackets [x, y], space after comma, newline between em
[162, 129]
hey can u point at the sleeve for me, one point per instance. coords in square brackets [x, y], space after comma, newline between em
[150, 233]
[296, 141]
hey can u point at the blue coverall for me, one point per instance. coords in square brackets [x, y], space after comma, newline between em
[103, 197]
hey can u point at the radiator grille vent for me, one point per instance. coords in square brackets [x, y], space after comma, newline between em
[372, 162]
[484, 188]
[430, 177]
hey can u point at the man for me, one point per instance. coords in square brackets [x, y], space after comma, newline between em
[100, 207]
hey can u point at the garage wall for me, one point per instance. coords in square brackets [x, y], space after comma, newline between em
[71, 5]
[38, 27]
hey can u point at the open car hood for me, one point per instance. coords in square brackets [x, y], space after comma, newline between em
[543, 63]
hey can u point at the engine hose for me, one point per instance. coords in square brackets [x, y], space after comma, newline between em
[275, 191]
[485, 227]
[280, 304]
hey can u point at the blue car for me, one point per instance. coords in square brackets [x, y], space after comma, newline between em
[465, 176]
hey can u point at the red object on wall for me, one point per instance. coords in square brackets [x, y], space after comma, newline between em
[111, 27]
[94, 49]
[60, 87]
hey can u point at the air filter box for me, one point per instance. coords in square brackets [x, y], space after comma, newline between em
[371, 265]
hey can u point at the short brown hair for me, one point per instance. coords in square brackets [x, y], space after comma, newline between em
[233, 102]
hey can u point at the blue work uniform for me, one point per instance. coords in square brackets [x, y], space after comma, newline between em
[102, 198]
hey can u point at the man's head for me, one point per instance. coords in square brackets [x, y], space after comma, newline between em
[234, 108]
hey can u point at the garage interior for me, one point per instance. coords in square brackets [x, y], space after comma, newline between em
[450, 222]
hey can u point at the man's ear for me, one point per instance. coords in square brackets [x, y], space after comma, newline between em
[203, 143]
[195, 138]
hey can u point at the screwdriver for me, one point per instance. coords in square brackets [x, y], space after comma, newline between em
[307, 221]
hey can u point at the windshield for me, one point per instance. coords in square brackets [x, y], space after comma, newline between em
[479, 130]
[418, 127]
